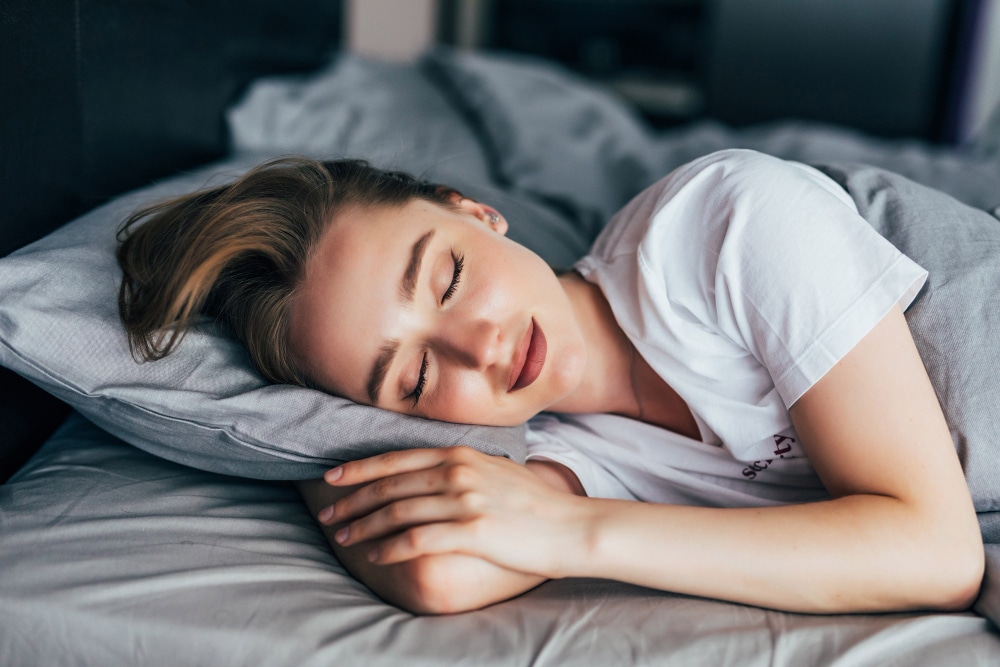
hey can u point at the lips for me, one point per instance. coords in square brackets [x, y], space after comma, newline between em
[530, 358]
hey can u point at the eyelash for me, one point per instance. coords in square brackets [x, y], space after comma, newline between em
[455, 279]
[421, 381]
[456, 276]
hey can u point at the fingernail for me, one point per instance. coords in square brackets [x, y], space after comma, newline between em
[342, 534]
[373, 555]
[326, 514]
[334, 474]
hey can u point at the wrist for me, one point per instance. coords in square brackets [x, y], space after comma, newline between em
[599, 550]
[577, 551]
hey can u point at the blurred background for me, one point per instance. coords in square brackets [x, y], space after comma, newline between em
[936, 72]
[101, 96]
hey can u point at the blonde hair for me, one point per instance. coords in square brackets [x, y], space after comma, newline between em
[237, 253]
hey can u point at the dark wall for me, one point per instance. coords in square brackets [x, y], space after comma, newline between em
[884, 66]
[101, 96]
[892, 68]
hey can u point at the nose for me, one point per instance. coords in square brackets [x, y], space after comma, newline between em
[475, 344]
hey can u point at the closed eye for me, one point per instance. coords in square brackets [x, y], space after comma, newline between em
[456, 276]
[421, 382]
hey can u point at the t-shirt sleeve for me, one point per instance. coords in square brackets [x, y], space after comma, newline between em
[551, 439]
[800, 276]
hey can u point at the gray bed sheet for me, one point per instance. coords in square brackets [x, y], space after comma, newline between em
[110, 556]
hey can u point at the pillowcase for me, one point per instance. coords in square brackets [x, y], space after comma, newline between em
[203, 405]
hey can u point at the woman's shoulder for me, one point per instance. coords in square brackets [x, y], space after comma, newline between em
[727, 177]
[700, 197]
[686, 190]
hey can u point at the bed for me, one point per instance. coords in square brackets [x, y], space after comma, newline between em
[119, 547]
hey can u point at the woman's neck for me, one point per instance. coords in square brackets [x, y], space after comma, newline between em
[617, 379]
[607, 384]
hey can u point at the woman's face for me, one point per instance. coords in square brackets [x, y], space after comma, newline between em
[433, 311]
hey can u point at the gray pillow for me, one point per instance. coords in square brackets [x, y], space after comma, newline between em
[204, 405]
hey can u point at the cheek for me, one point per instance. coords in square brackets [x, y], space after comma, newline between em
[510, 277]
[462, 397]
[327, 374]
[469, 399]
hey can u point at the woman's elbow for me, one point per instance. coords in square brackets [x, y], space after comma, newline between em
[966, 579]
[454, 583]
[957, 572]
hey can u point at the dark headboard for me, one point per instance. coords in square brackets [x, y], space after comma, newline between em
[101, 96]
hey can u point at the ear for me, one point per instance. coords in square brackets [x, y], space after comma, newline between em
[482, 212]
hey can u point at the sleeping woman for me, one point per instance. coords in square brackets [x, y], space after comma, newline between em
[738, 316]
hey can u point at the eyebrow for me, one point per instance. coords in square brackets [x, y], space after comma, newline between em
[413, 268]
[381, 367]
[406, 288]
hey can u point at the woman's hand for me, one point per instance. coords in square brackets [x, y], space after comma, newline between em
[422, 502]
[440, 584]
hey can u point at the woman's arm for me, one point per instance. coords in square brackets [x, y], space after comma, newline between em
[434, 584]
[899, 533]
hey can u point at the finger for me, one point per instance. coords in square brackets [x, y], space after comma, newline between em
[383, 465]
[402, 515]
[381, 492]
[424, 540]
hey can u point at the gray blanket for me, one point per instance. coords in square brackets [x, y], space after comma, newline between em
[954, 321]
[955, 324]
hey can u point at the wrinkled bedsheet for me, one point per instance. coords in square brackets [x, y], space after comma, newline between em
[112, 557]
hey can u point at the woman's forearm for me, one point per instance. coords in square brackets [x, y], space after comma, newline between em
[853, 554]
[437, 584]
[900, 534]
[861, 552]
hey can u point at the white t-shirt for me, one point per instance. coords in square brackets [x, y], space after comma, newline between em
[741, 279]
